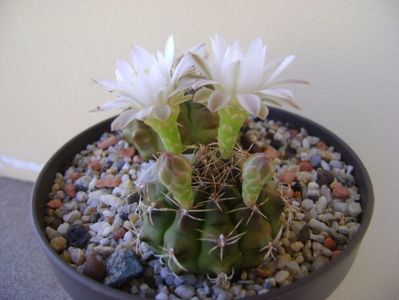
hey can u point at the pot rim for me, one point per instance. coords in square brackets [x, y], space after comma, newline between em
[367, 207]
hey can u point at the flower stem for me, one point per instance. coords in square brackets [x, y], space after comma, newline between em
[231, 120]
[168, 131]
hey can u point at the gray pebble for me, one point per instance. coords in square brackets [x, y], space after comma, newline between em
[185, 291]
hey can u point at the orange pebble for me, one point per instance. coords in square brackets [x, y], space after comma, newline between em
[55, 203]
[330, 243]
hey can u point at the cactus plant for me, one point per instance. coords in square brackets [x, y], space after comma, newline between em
[203, 217]
[215, 208]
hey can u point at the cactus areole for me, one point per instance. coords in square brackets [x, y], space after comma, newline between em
[213, 207]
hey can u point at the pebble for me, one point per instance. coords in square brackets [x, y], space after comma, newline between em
[297, 246]
[319, 262]
[307, 204]
[111, 200]
[281, 276]
[339, 191]
[108, 182]
[162, 296]
[77, 255]
[108, 142]
[82, 184]
[58, 243]
[122, 266]
[315, 224]
[105, 250]
[315, 160]
[305, 166]
[55, 203]
[185, 291]
[321, 204]
[95, 268]
[324, 177]
[288, 177]
[51, 232]
[72, 216]
[63, 228]
[77, 236]
[354, 209]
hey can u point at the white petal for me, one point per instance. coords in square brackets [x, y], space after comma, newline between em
[218, 45]
[161, 112]
[124, 72]
[119, 102]
[202, 95]
[203, 82]
[144, 113]
[201, 64]
[141, 59]
[123, 120]
[251, 103]
[109, 85]
[287, 81]
[279, 93]
[169, 51]
[217, 100]
[286, 61]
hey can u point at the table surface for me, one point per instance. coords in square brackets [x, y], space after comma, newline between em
[25, 272]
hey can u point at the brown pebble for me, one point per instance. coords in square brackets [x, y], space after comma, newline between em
[108, 182]
[304, 234]
[339, 191]
[288, 177]
[271, 152]
[244, 275]
[75, 175]
[119, 234]
[336, 253]
[324, 177]
[127, 152]
[321, 146]
[69, 188]
[94, 267]
[264, 272]
[108, 142]
[306, 166]
[48, 220]
[329, 243]
[58, 243]
[56, 223]
[55, 203]
[95, 165]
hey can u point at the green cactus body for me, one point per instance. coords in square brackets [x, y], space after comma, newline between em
[231, 120]
[195, 123]
[218, 232]
[167, 131]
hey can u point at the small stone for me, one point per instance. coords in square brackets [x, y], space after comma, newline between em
[119, 234]
[315, 160]
[307, 204]
[304, 234]
[329, 243]
[63, 228]
[315, 224]
[122, 266]
[108, 142]
[319, 262]
[51, 232]
[72, 216]
[77, 255]
[339, 191]
[127, 152]
[244, 275]
[263, 272]
[324, 177]
[297, 246]
[305, 166]
[108, 182]
[321, 204]
[58, 243]
[69, 189]
[82, 184]
[185, 291]
[354, 209]
[56, 223]
[293, 267]
[288, 177]
[162, 296]
[77, 236]
[340, 206]
[55, 203]
[271, 152]
[105, 250]
[95, 165]
[281, 276]
[336, 253]
[94, 267]
[189, 279]
[111, 200]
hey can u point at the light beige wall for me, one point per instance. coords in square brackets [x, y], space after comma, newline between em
[348, 50]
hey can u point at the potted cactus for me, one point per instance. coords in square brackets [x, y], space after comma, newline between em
[209, 200]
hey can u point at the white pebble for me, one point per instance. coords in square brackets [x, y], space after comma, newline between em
[63, 228]
[72, 216]
[307, 204]
[281, 276]
[354, 209]
[111, 200]
[313, 185]
[340, 206]
[315, 224]
[321, 204]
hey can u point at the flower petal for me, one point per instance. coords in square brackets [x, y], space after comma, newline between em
[278, 93]
[109, 85]
[264, 111]
[124, 72]
[217, 100]
[169, 51]
[123, 119]
[161, 112]
[119, 102]
[287, 81]
[251, 103]
[202, 95]
[286, 61]
[201, 64]
[202, 82]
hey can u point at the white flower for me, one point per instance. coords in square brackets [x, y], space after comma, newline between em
[241, 79]
[149, 86]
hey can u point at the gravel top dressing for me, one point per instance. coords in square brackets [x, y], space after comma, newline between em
[93, 221]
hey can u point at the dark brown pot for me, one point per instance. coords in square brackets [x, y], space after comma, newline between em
[317, 285]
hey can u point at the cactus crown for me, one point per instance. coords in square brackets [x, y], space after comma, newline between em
[216, 209]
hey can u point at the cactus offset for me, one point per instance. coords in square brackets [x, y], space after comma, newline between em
[197, 216]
